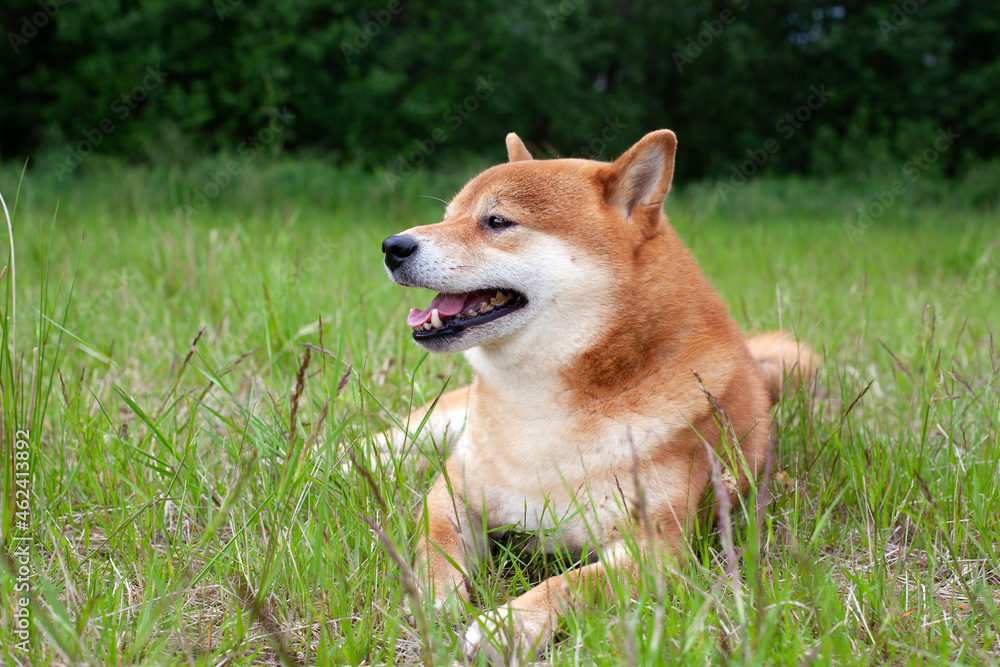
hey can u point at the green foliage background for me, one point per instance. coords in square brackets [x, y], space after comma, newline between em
[368, 81]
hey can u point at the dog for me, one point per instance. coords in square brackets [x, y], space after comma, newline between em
[607, 369]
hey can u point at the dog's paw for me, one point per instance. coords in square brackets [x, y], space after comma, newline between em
[452, 604]
[406, 610]
[506, 637]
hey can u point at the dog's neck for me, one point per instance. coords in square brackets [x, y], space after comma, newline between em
[526, 358]
[634, 321]
[584, 324]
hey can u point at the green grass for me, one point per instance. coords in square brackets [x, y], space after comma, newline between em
[191, 502]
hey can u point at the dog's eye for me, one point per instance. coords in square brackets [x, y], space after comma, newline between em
[498, 222]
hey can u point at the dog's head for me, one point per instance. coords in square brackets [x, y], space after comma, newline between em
[530, 250]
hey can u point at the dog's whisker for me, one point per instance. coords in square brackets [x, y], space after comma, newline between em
[432, 197]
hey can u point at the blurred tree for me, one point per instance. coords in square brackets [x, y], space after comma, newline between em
[803, 86]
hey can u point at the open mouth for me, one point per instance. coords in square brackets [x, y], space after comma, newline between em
[449, 314]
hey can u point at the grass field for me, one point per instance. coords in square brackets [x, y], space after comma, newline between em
[187, 384]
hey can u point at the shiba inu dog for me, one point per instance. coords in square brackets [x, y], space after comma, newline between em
[598, 348]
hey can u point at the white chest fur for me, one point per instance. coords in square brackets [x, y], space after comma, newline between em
[536, 463]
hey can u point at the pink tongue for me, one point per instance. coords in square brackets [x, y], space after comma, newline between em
[446, 304]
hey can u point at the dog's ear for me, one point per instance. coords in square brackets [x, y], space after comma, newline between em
[641, 177]
[516, 152]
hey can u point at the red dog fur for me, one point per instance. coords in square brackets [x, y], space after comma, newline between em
[590, 384]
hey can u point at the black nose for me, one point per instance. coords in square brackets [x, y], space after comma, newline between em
[397, 248]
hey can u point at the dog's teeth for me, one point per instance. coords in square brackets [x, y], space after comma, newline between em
[470, 312]
[427, 326]
[487, 307]
[501, 296]
[435, 318]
